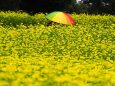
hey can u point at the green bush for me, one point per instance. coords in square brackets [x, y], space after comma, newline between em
[17, 18]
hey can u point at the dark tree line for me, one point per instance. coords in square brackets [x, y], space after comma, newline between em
[10, 4]
[94, 7]
[101, 6]
[35, 6]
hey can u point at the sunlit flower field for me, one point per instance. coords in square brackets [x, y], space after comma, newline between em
[35, 54]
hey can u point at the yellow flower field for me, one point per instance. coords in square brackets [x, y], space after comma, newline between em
[34, 54]
[50, 71]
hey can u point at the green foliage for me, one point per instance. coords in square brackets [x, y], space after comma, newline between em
[16, 18]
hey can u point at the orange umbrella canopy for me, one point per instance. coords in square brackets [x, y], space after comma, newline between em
[60, 17]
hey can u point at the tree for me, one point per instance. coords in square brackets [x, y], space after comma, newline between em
[35, 6]
[10, 4]
[45, 5]
[101, 6]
